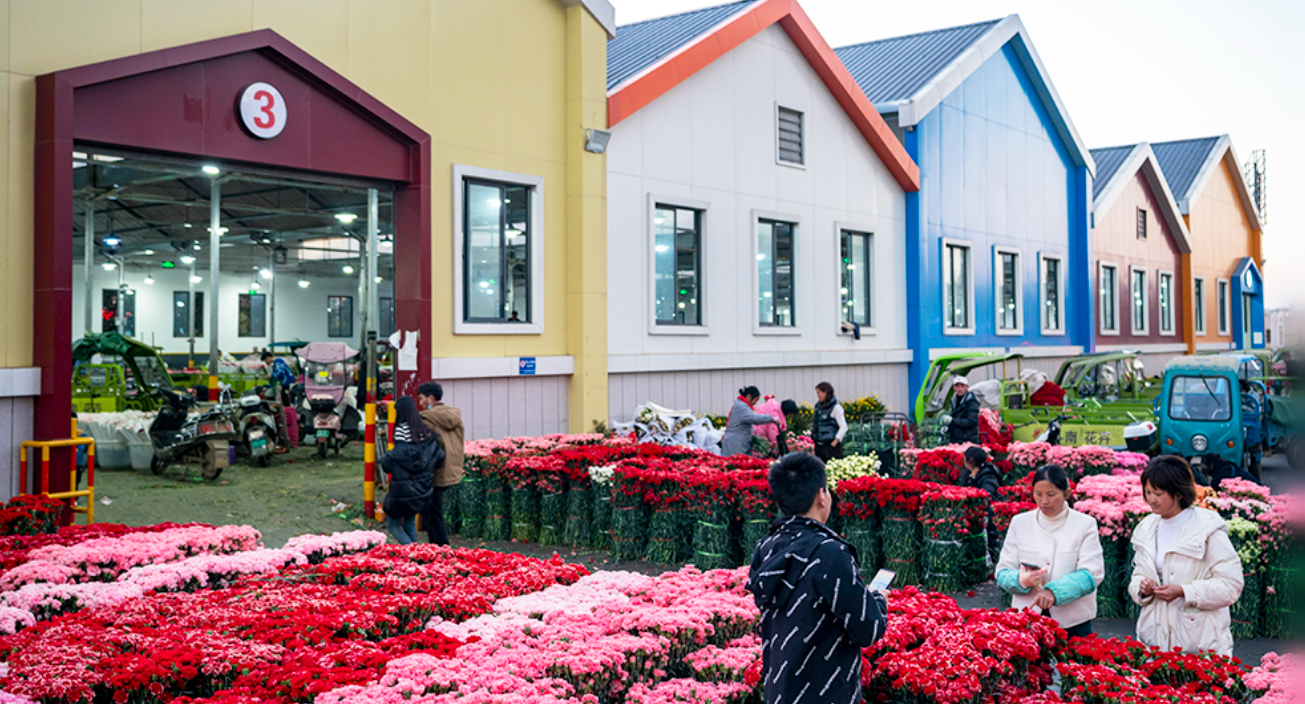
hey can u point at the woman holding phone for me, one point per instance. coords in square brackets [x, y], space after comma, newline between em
[1186, 573]
[1052, 558]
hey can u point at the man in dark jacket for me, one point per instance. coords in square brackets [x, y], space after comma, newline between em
[963, 421]
[816, 613]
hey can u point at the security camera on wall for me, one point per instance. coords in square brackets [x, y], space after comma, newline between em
[851, 328]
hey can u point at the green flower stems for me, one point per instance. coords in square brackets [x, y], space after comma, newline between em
[525, 514]
[498, 509]
[552, 517]
[471, 503]
[576, 530]
[901, 534]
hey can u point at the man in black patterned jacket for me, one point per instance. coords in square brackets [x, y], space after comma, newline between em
[816, 613]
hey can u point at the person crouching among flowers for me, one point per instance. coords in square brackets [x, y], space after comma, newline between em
[1052, 558]
[1186, 573]
[805, 581]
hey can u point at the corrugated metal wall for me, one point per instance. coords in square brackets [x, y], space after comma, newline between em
[15, 428]
[714, 391]
[512, 406]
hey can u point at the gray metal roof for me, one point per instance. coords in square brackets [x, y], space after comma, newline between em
[1181, 161]
[640, 45]
[1108, 161]
[893, 70]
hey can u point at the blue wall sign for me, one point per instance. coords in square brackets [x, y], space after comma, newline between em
[526, 366]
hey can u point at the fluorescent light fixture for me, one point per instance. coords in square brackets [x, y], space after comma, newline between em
[254, 286]
[346, 218]
[187, 226]
[112, 241]
[378, 279]
[109, 266]
[211, 170]
[265, 273]
[385, 247]
[662, 248]
[196, 279]
[347, 269]
[221, 230]
[304, 283]
[197, 247]
[148, 252]
[187, 259]
[149, 280]
[596, 141]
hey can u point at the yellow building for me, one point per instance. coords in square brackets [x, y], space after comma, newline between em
[458, 98]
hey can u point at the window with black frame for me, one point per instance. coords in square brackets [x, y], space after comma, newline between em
[775, 296]
[855, 288]
[252, 315]
[339, 316]
[183, 313]
[496, 252]
[956, 286]
[1051, 295]
[677, 265]
[1008, 293]
[109, 312]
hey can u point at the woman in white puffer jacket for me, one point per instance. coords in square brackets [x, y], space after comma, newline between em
[1186, 573]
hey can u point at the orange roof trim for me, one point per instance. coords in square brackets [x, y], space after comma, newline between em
[699, 54]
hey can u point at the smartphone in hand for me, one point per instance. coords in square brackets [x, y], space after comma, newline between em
[882, 579]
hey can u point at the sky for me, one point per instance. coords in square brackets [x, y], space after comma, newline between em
[1137, 70]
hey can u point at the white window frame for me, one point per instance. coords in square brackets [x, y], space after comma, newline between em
[538, 305]
[803, 113]
[1225, 305]
[654, 200]
[1101, 298]
[860, 229]
[1161, 275]
[1199, 304]
[1060, 292]
[997, 251]
[946, 284]
[796, 221]
[1146, 302]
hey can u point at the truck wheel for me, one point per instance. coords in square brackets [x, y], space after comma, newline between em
[321, 450]
[1253, 465]
[158, 465]
[1296, 453]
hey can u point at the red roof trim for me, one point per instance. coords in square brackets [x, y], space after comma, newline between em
[653, 84]
[258, 40]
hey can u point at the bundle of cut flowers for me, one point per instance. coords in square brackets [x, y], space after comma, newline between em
[1004, 511]
[288, 636]
[844, 468]
[30, 514]
[1121, 670]
[103, 559]
[942, 465]
[1279, 679]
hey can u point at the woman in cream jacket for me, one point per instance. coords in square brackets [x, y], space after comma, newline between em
[1052, 557]
[1186, 573]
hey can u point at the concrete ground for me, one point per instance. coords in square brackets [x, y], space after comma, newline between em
[300, 494]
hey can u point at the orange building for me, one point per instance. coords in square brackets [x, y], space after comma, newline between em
[1221, 275]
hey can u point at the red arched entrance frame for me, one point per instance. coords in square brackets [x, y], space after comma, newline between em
[182, 102]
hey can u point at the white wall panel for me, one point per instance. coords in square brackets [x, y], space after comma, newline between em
[497, 408]
[713, 138]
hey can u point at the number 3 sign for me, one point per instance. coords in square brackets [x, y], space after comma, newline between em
[262, 110]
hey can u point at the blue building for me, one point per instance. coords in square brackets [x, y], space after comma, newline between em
[998, 243]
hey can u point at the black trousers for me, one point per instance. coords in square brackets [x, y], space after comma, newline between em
[826, 451]
[1082, 630]
[432, 519]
